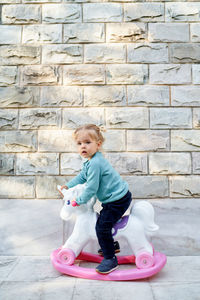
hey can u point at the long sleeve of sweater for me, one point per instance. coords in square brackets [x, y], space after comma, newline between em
[79, 179]
[92, 185]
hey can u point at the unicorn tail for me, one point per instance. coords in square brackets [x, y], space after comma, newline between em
[145, 212]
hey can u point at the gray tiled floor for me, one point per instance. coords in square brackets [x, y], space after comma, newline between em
[30, 230]
[33, 277]
[30, 227]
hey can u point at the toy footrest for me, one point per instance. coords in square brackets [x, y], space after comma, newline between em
[129, 259]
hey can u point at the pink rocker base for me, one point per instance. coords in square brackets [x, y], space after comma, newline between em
[120, 275]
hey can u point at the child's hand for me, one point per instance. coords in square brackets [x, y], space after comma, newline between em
[63, 187]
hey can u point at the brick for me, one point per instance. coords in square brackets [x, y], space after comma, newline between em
[37, 163]
[10, 34]
[127, 117]
[61, 13]
[196, 163]
[19, 96]
[185, 96]
[71, 164]
[184, 186]
[21, 14]
[46, 186]
[147, 140]
[22, 187]
[40, 1]
[125, 32]
[102, 12]
[147, 53]
[7, 164]
[56, 141]
[51, 33]
[72, 118]
[83, 74]
[169, 163]
[126, 74]
[40, 118]
[186, 12]
[8, 119]
[61, 96]
[196, 73]
[195, 32]
[148, 186]
[128, 163]
[10, 1]
[185, 140]
[170, 74]
[8, 75]
[145, 12]
[18, 141]
[168, 32]
[170, 118]
[62, 54]
[40, 75]
[18, 55]
[78, 1]
[104, 96]
[148, 95]
[196, 118]
[114, 140]
[106, 53]
[84, 33]
[185, 53]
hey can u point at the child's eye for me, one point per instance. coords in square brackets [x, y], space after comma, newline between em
[87, 142]
[78, 143]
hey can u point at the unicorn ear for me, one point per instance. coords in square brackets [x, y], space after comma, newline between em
[59, 187]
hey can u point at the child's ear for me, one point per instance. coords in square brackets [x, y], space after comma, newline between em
[99, 143]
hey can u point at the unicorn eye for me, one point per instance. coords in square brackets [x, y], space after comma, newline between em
[68, 202]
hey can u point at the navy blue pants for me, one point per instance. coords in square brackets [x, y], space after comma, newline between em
[109, 215]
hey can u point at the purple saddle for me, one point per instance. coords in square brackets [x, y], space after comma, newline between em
[120, 224]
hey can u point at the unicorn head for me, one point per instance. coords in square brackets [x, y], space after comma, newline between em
[68, 210]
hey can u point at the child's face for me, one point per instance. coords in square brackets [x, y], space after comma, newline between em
[87, 146]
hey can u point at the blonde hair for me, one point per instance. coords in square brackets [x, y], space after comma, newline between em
[93, 131]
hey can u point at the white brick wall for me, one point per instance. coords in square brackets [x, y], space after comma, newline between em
[132, 66]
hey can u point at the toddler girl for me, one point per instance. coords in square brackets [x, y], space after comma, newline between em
[105, 183]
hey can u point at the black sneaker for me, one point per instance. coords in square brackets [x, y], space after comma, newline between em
[116, 246]
[107, 265]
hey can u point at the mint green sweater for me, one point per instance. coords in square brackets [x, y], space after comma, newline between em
[101, 180]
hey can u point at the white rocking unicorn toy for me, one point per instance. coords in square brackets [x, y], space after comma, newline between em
[135, 228]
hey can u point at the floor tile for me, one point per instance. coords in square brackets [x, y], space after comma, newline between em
[37, 290]
[33, 268]
[179, 224]
[179, 269]
[7, 264]
[94, 290]
[30, 227]
[174, 291]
